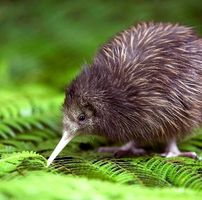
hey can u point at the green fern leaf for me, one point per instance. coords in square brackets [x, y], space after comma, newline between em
[18, 161]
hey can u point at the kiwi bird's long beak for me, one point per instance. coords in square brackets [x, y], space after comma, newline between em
[66, 138]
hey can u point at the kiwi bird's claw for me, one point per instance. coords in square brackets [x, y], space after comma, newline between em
[128, 149]
[180, 154]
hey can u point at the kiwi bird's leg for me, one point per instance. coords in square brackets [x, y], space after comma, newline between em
[173, 151]
[66, 138]
[129, 149]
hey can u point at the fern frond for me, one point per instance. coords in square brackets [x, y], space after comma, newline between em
[19, 162]
[150, 171]
[120, 171]
[176, 171]
[27, 111]
[24, 105]
[11, 127]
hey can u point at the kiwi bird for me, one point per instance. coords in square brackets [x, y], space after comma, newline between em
[144, 87]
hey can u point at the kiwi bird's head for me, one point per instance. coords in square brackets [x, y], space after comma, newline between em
[79, 113]
[94, 105]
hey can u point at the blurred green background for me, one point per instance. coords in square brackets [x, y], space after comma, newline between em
[47, 41]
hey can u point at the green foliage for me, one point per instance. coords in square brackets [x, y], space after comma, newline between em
[19, 163]
[42, 186]
[28, 118]
[43, 45]
[150, 171]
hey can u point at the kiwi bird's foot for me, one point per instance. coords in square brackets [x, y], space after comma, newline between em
[173, 151]
[128, 149]
[181, 154]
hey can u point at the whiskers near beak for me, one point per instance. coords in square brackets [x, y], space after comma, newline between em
[66, 138]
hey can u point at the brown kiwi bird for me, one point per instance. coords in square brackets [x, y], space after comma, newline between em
[144, 87]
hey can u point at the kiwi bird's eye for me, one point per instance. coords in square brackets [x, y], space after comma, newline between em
[82, 117]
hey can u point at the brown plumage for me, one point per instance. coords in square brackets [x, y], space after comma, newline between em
[144, 85]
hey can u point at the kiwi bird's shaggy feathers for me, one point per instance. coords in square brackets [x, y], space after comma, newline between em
[145, 84]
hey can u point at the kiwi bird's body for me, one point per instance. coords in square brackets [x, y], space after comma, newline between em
[144, 85]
